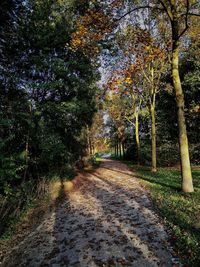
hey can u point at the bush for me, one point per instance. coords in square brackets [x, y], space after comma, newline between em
[167, 154]
[14, 202]
[195, 154]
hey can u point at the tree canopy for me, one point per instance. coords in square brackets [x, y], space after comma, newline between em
[81, 76]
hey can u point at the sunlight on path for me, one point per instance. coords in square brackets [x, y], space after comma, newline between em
[106, 220]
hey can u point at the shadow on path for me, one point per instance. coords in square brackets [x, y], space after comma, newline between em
[100, 219]
[106, 221]
[176, 188]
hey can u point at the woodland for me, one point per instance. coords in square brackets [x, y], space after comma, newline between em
[81, 78]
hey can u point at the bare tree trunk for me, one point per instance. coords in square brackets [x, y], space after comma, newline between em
[93, 149]
[153, 139]
[26, 157]
[123, 149]
[27, 149]
[187, 184]
[88, 141]
[120, 150]
[90, 144]
[137, 138]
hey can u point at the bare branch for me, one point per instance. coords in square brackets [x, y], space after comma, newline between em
[145, 76]
[166, 9]
[135, 9]
[113, 2]
[186, 20]
[193, 14]
[129, 120]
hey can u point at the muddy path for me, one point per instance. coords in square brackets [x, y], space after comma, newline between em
[103, 219]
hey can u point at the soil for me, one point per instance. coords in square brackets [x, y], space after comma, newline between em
[104, 218]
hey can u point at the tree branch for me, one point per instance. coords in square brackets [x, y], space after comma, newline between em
[186, 20]
[129, 120]
[135, 9]
[145, 76]
[169, 14]
[193, 14]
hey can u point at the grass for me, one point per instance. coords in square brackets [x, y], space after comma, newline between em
[98, 160]
[41, 201]
[36, 197]
[27, 198]
[181, 211]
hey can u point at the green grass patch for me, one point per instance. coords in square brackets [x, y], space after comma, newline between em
[98, 160]
[180, 210]
[95, 161]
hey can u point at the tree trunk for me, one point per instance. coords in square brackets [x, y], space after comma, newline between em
[137, 138]
[123, 149]
[93, 149]
[120, 150]
[88, 141]
[26, 157]
[187, 184]
[90, 147]
[153, 139]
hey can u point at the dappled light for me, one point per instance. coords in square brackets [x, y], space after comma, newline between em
[68, 186]
[99, 133]
[106, 219]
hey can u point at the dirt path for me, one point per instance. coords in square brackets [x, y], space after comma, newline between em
[106, 219]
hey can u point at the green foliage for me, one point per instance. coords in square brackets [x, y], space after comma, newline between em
[167, 152]
[14, 203]
[47, 96]
[194, 154]
[190, 71]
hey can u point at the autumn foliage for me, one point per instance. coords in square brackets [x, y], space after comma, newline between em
[91, 28]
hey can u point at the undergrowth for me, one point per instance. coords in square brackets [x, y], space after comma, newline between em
[19, 200]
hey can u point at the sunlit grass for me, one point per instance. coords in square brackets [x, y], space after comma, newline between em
[181, 211]
[98, 159]
[40, 198]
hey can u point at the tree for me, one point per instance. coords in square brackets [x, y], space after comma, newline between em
[48, 91]
[150, 63]
[153, 64]
[116, 111]
[178, 14]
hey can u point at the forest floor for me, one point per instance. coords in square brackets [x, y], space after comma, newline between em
[102, 218]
